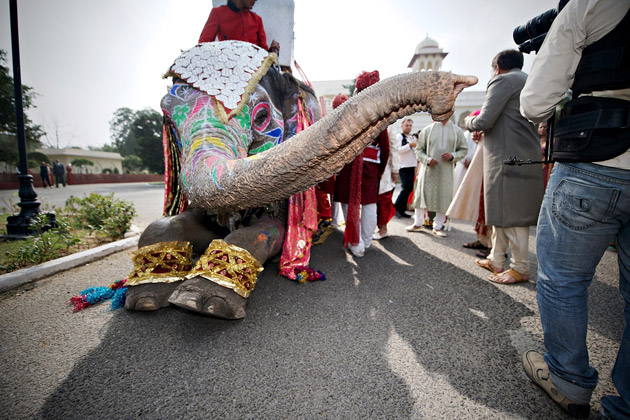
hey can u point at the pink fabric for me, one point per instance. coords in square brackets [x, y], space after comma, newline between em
[301, 221]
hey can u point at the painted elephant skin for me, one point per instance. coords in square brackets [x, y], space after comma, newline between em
[235, 170]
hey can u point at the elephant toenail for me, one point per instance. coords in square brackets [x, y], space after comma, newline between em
[217, 306]
[146, 303]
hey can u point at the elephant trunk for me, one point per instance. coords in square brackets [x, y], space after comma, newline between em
[323, 149]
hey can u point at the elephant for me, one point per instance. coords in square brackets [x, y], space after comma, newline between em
[236, 152]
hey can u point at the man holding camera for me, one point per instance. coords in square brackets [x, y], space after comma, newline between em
[587, 203]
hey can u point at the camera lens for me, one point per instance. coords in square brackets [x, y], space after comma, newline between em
[536, 26]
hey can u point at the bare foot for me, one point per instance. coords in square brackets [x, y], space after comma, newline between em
[208, 298]
[488, 266]
[509, 277]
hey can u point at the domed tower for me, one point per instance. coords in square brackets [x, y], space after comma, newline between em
[428, 56]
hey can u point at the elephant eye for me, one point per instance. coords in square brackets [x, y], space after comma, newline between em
[261, 116]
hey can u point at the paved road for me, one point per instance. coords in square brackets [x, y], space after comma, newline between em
[411, 331]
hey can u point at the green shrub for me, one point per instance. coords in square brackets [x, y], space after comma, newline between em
[45, 246]
[103, 214]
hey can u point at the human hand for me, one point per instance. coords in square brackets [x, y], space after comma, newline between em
[413, 143]
[477, 136]
[275, 47]
[394, 178]
[466, 163]
[446, 156]
[432, 162]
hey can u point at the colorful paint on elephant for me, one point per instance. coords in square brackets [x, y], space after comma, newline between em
[312, 112]
[267, 122]
[205, 138]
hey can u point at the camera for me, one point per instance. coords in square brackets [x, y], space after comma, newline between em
[529, 37]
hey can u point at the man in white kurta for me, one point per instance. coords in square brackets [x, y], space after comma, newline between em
[439, 147]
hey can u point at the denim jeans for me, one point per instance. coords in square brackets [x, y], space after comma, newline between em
[586, 206]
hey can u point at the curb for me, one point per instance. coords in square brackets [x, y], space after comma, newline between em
[26, 275]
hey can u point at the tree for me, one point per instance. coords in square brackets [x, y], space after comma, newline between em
[120, 127]
[8, 124]
[139, 133]
[104, 148]
[35, 159]
[81, 163]
[132, 163]
[147, 130]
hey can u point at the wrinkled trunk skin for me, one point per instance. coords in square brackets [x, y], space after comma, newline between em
[322, 150]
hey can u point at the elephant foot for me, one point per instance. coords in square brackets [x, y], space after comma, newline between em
[208, 298]
[149, 297]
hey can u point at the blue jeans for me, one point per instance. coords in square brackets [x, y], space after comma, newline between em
[586, 206]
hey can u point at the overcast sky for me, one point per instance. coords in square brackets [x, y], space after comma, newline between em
[87, 58]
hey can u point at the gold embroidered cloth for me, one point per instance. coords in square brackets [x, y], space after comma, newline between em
[229, 266]
[162, 262]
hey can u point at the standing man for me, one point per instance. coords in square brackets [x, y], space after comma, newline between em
[587, 203]
[44, 174]
[406, 144]
[236, 21]
[59, 173]
[357, 184]
[440, 146]
[512, 194]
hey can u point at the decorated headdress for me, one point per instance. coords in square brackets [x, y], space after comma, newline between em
[338, 100]
[229, 71]
[366, 79]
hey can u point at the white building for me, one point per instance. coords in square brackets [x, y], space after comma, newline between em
[101, 160]
[428, 56]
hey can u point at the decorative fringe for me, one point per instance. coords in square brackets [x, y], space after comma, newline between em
[116, 291]
[304, 274]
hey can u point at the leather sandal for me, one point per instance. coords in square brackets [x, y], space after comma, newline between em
[475, 245]
[507, 275]
[488, 266]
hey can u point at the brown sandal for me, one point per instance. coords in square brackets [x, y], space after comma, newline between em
[488, 266]
[476, 245]
[506, 277]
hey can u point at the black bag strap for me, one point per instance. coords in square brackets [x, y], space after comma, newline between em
[593, 113]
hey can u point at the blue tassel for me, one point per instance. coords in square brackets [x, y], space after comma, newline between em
[97, 294]
[118, 301]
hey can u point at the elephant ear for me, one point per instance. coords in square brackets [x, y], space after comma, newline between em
[175, 200]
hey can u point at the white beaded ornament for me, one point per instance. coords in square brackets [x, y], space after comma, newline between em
[220, 69]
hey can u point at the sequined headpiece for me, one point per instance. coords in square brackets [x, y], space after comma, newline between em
[229, 71]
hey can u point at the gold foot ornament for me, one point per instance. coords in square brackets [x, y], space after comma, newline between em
[228, 266]
[162, 262]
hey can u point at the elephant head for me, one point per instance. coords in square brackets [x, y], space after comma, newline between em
[230, 111]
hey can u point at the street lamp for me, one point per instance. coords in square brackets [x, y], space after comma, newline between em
[19, 226]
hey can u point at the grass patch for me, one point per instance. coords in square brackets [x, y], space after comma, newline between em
[82, 224]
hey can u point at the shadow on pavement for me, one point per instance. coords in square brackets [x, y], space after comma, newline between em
[420, 339]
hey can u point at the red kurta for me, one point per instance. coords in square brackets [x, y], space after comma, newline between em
[371, 175]
[227, 23]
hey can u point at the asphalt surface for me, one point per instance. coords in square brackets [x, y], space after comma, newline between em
[413, 330]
